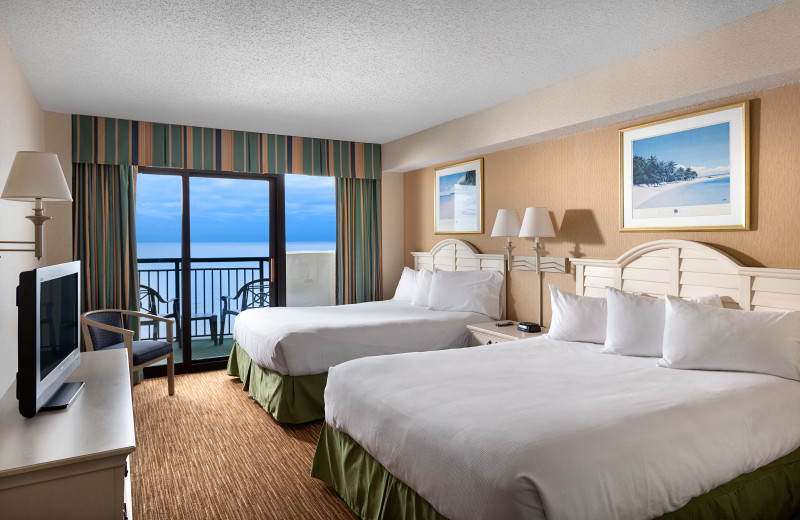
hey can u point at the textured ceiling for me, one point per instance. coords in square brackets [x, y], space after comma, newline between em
[365, 70]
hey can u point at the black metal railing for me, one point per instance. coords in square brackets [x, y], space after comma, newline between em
[211, 278]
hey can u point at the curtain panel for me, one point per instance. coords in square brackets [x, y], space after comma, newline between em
[104, 140]
[358, 240]
[104, 235]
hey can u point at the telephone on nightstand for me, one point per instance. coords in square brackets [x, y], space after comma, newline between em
[526, 326]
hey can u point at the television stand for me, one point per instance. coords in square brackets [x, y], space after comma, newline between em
[63, 397]
[73, 463]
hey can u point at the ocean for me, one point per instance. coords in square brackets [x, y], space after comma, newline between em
[223, 249]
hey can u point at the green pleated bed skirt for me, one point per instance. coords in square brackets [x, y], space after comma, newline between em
[770, 492]
[289, 399]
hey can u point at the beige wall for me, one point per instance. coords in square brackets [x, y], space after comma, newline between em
[758, 52]
[576, 177]
[21, 128]
[24, 126]
[391, 231]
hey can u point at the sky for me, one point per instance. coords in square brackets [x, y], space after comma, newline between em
[706, 150]
[234, 210]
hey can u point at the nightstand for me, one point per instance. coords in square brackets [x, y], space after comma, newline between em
[488, 333]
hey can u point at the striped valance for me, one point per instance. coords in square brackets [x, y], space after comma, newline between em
[104, 140]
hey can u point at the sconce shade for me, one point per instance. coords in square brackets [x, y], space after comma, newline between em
[537, 223]
[506, 224]
[36, 175]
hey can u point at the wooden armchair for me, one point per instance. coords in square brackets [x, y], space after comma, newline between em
[103, 329]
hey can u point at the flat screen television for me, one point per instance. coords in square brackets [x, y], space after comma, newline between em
[49, 342]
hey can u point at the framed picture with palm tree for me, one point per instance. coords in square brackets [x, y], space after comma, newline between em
[458, 198]
[689, 172]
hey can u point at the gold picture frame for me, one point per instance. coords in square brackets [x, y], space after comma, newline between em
[687, 173]
[458, 198]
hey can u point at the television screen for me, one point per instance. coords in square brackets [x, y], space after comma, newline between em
[58, 326]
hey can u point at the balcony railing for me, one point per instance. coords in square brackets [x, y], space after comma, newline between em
[310, 280]
[211, 279]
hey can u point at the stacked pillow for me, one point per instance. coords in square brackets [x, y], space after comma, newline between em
[407, 286]
[465, 291]
[688, 334]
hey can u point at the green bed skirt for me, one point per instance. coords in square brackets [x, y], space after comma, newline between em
[289, 399]
[772, 491]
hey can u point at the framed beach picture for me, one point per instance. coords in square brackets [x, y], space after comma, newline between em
[687, 173]
[458, 198]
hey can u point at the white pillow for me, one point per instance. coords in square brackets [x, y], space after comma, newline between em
[406, 286]
[707, 338]
[469, 291]
[635, 325]
[424, 279]
[577, 318]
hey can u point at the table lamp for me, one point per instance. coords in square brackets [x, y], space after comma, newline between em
[537, 223]
[506, 224]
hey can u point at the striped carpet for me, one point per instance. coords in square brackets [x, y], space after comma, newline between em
[210, 451]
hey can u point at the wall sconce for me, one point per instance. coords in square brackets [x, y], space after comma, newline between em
[506, 224]
[36, 176]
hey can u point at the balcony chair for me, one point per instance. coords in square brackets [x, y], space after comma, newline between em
[148, 303]
[253, 294]
[103, 330]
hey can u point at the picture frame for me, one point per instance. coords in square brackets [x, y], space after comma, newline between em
[458, 198]
[687, 173]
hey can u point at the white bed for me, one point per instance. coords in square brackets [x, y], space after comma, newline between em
[282, 355]
[301, 341]
[549, 429]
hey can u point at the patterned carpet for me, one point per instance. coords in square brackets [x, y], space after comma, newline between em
[210, 451]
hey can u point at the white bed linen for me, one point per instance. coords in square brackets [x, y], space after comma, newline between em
[300, 341]
[548, 429]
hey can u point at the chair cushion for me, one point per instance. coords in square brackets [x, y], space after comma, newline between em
[146, 350]
[103, 338]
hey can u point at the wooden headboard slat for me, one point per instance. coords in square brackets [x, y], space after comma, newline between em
[687, 269]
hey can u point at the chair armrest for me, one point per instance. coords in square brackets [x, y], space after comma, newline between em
[227, 298]
[145, 315]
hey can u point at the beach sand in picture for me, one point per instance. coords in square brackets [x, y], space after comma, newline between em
[706, 191]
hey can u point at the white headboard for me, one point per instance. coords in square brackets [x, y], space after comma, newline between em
[684, 268]
[457, 255]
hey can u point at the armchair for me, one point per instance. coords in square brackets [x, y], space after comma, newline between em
[253, 294]
[103, 329]
[148, 303]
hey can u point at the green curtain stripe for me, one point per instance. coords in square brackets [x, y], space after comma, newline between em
[105, 239]
[358, 273]
[104, 140]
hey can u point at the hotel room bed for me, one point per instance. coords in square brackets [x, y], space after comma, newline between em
[551, 429]
[282, 355]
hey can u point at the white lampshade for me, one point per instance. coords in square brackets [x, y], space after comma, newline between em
[36, 175]
[506, 224]
[537, 223]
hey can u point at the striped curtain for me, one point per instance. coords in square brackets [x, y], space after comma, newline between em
[358, 240]
[105, 140]
[104, 235]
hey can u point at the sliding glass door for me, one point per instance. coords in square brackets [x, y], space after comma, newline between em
[210, 245]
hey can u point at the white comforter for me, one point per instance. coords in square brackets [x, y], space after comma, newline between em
[299, 341]
[547, 429]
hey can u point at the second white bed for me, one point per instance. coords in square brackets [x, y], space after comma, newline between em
[547, 429]
[300, 341]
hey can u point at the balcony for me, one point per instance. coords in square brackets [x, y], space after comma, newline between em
[310, 281]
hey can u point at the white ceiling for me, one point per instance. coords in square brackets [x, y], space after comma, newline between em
[369, 70]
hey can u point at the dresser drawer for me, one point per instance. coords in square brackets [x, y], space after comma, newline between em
[481, 338]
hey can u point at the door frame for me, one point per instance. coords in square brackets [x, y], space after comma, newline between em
[277, 256]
